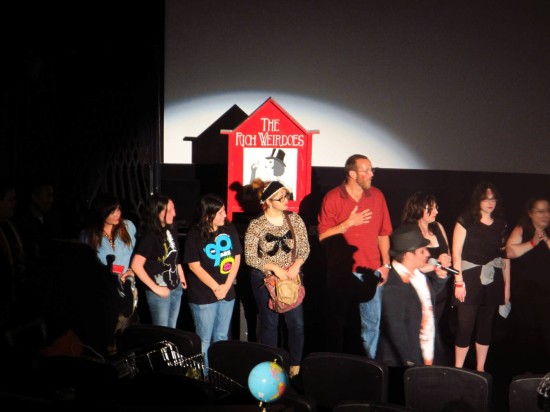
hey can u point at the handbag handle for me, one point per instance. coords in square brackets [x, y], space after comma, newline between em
[289, 223]
[293, 235]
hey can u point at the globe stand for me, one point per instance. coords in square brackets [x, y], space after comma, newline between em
[264, 406]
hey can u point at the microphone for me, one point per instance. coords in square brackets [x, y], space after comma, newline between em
[433, 262]
[110, 259]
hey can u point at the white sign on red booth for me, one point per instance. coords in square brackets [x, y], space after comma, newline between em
[271, 145]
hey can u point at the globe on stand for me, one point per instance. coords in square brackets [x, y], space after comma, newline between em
[267, 382]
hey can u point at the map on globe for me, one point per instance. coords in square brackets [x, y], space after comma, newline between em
[267, 381]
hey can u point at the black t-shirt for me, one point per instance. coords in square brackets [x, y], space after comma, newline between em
[161, 254]
[216, 256]
[482, 244]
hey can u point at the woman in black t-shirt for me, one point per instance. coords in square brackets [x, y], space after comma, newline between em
[156, 261]
[213, 252]
[484, 279]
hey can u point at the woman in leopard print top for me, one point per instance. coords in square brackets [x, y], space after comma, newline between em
[268, 245]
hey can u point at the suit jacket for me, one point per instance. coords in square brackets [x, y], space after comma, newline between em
[399, 343]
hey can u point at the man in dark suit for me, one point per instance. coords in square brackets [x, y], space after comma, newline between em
[408, 328]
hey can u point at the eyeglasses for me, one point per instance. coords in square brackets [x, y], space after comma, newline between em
[489, 199]
[372, 170]
[282, 198]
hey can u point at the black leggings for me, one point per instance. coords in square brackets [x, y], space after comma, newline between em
[479, 317]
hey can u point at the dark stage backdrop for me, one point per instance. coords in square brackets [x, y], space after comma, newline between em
[439, 96]
[451, 188]
[431, 85]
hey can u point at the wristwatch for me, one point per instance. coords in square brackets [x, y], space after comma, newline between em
[387, 265]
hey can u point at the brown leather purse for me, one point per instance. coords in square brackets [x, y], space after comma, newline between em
[285, 294]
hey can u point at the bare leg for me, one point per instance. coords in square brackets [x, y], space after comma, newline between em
[481, 355]
[460, 356]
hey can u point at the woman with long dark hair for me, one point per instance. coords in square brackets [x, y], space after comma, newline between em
[483, 282]
[109, 233]
[213, 252]
[113, 238]
[529, 248]
[156, 261]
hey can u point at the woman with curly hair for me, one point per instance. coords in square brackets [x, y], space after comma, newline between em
[422, 209]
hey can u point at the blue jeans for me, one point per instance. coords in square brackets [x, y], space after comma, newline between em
[269, 320]
[370, 312]
[212, 321]
[164, 311]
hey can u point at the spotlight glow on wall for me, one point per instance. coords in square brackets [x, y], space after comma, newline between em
[341, 132]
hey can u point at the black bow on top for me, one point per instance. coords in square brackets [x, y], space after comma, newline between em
[280, 242]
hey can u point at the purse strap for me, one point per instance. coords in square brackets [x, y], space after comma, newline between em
[287, 218]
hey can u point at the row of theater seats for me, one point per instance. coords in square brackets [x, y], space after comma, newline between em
[158, 366]
[345, 382]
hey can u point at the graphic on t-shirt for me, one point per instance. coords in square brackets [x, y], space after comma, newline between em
[168, 277]
[220, 253]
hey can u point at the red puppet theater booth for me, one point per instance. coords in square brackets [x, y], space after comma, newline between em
[271, 145]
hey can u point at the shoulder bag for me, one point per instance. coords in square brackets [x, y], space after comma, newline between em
[285, 295]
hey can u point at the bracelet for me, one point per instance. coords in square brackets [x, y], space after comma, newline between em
[459, 284]
[533, 243]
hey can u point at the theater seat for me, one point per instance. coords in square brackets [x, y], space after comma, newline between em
[523, 395]
[439, 388]
[331, 378]
[235, 359]
[365, 406]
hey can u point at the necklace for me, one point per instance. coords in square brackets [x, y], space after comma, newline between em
[276, 220]
[110, 239]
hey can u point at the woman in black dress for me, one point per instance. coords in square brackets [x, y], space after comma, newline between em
[421, 208]
[529, 247]
[483, 282]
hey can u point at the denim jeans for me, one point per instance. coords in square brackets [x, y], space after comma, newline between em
[212, 321]
[370, 312]
[269, 320]
[164, 311]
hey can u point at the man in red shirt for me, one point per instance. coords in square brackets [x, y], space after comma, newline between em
[355, 215]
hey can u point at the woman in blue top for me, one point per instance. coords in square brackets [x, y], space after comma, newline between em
[109, 234]
[213, 251]
[114, 238]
